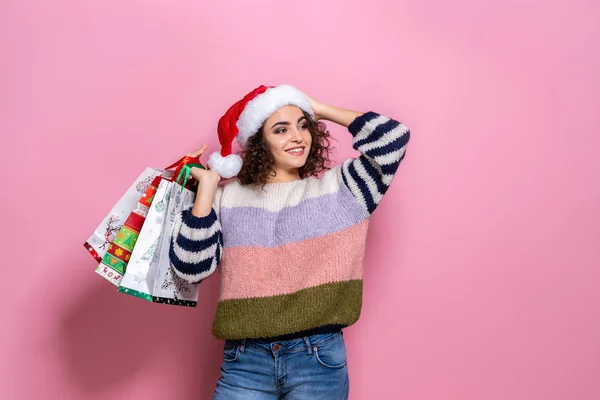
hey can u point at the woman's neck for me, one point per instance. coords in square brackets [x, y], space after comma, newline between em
[284, 176]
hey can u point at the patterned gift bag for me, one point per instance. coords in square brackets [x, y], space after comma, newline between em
[98, 243]
[169, 288]
[115, 260]
[146, 251]
[149, 275]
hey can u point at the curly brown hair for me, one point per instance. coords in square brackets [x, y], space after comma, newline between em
[258, 161]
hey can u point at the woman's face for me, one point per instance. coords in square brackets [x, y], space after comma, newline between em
[285, 131]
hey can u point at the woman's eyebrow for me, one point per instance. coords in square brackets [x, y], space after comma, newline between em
[280, 123]
[286, 122]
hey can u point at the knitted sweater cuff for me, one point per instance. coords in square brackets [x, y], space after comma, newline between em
[193, 222]
[359, 122]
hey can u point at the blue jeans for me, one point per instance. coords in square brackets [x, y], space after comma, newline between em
[312, 368]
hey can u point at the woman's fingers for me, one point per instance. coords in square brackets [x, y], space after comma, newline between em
[198, 152]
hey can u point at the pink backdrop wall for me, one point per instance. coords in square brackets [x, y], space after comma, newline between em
[483, 261]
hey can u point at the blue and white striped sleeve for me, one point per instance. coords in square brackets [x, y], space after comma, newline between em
[382, 143]
[196, 245]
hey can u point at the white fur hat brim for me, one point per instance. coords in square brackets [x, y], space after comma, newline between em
[259, 109]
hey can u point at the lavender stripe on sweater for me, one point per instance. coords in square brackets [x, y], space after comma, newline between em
[311, 218]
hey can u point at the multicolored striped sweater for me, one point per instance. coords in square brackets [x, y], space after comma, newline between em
[291, 255]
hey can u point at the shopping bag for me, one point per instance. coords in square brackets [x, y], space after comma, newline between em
[169, 288]
[98, 243]
[115, 260]
[114, 239]
[149, 275]
[145, 255]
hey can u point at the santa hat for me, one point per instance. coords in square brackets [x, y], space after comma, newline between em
[246, 117]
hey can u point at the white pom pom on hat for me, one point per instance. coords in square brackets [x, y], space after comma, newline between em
[246, 117]
[227, 167]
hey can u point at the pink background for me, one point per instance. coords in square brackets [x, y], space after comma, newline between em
[483, 261]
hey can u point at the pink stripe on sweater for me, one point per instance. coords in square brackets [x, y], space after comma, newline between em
[253, 271]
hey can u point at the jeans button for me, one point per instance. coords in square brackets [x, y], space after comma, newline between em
[276, 346]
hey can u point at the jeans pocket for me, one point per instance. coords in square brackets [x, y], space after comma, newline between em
[230, 351]
[331, 354]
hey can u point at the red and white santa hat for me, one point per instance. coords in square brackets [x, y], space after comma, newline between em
[246, 117]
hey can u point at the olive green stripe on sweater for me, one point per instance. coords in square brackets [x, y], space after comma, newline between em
[331, 303]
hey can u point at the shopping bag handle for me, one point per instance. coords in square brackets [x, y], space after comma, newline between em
[183, 169]
[185, 160]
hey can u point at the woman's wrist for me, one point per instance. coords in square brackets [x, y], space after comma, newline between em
[331, 113]
[337, 115]
[323, 111]
[203, 203]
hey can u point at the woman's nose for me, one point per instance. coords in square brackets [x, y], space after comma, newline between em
[296, 135]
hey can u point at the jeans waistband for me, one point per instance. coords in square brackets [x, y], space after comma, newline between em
[305, 343]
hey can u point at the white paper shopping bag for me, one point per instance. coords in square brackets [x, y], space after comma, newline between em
[97, 244]
[144, 257]
[149, 275]
[169, 288]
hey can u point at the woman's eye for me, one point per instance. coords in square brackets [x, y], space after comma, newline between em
[282, 130]
[305, 126]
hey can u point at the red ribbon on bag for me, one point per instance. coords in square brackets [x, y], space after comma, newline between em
[182, 173]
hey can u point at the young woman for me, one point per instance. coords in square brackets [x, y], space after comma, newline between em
[289, 245]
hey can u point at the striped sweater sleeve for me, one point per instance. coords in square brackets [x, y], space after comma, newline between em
[197, 244]
[382, 143]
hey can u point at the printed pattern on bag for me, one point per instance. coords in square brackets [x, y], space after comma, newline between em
[149, 275]
[119, 251]
[170, 288]
[136, 281]
[99, 241]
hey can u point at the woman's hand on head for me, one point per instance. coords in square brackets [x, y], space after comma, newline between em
[316, 106]
[204, 176]
[331, 113]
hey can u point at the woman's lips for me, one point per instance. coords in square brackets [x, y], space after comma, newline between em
[296, 152]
